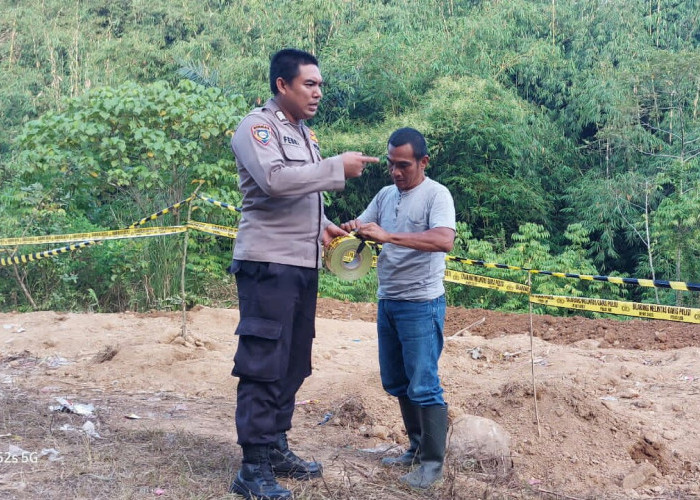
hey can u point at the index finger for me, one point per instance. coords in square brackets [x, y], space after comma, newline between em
[369, 159]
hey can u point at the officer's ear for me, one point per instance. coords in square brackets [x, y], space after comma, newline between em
[282, 85]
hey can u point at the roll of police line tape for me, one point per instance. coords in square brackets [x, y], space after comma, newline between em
[342, 258]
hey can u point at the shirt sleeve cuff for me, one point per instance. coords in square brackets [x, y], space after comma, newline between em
[325, 223]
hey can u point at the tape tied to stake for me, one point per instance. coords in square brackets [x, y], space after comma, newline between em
[342, 258]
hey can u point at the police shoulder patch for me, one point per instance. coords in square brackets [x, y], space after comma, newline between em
[261, 133]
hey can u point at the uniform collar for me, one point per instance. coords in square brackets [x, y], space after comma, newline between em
[272, 105]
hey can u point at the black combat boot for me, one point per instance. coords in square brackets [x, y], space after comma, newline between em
[432, 448]
[286, 464]
[255, 480]
[411, 421]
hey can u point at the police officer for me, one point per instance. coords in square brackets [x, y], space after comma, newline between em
[276, 260]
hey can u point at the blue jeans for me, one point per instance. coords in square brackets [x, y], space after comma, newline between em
[410, 343]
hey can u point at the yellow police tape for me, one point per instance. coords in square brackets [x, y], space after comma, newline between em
[675, 285]
[23, 259]
[161, 212]
[342, 258]
[219, 204]
[463, 278]
[485, 282]
[93, 238]
[229, 232]
[652, 311]
[139, 232]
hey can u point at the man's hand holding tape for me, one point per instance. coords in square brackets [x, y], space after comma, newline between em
[438, 239]
[354, 163]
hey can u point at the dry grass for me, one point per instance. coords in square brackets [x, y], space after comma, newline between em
[106, 354]
[127, 463]
[122, 463]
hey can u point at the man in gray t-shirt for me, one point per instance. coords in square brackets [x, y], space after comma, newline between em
[414, 220]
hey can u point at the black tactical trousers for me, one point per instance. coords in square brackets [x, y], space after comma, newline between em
[277, 306]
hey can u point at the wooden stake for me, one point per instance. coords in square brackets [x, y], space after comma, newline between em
[532, 362]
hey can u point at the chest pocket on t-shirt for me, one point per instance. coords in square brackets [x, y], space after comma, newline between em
[417, 219]
[295, 153]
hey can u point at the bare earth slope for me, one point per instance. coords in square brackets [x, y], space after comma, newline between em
[611, 396]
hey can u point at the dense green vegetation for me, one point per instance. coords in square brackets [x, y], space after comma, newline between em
[568, 133]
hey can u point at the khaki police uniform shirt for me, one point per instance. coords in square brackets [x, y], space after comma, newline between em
[281, 176]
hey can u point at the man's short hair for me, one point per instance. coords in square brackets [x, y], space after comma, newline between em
[285, 64]
[408, 135]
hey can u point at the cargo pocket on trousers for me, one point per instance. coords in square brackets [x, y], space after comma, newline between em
[260, 354]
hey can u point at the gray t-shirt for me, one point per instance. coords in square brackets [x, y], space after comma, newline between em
[404, 273]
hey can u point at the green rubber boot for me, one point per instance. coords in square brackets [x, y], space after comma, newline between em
[432, 448]
[411, 421]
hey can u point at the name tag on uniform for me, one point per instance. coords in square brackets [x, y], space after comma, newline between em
[290, 140]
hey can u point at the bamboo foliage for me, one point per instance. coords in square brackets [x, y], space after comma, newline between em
[537, 112]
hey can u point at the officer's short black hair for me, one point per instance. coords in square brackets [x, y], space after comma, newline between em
[285, 64]
[410, 136]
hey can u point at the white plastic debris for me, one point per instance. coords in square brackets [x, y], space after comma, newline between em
[51, 454]
[89, 429]
[16, 451]
[69, 407]
[382, 448]
[55, 361]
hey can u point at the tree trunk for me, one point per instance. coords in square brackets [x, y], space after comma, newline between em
[648, 236]
[25, 290]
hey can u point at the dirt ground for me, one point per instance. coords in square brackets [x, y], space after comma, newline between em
[616, 412]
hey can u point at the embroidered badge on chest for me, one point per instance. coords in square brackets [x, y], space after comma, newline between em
[262, 133]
